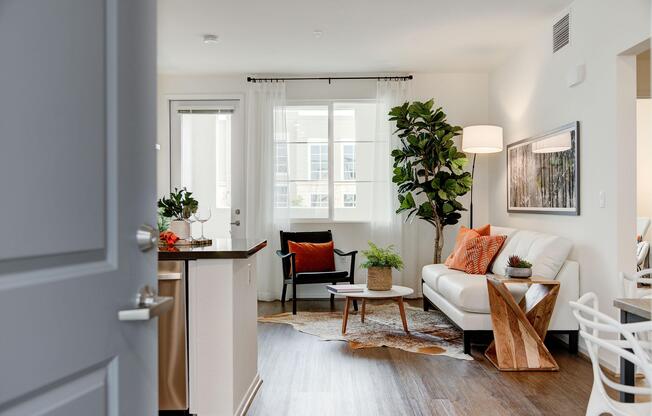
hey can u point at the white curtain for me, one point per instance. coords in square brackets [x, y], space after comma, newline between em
[387, 227]
[265, 131]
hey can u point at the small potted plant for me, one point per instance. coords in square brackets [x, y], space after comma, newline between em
[380, 262]
[179, 206]
[518, 267]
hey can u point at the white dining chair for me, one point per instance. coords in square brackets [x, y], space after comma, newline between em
[602, 332]
[642, 251]
[637, 285]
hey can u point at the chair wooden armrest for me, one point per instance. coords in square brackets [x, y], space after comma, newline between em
[343, 254]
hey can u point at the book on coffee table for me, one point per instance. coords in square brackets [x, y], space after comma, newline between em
[345, 288]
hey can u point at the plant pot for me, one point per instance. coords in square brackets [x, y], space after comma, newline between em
[181, 228]
[379, 278]
[518, 272]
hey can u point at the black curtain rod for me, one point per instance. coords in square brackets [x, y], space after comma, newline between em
[329, 79]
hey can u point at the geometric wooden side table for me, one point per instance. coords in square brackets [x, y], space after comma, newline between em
[519, 329]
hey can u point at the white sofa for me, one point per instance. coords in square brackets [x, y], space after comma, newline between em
[464, 298]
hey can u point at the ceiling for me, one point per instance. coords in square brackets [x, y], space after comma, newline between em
[359, 36]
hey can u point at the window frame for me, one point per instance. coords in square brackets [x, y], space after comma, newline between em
[319, 171]
[331, 159]
[353, 177]
[355, 200]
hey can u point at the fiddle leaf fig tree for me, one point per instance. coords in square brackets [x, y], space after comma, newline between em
[428, 168]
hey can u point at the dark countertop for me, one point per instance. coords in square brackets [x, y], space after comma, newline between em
[640, 307]
[222, 248]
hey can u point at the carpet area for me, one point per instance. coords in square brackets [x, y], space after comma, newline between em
[431, 332]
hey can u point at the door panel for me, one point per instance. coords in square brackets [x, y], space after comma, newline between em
[86, 394]
[77, 168]
[41, 123]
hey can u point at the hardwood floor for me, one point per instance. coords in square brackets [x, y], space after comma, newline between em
[303, 375]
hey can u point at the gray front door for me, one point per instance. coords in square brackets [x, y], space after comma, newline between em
[77, 178]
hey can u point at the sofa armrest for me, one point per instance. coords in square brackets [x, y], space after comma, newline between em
[569, 290]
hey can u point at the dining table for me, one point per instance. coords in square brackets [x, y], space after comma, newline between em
[631, 310]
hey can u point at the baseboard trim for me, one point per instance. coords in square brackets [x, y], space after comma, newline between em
[249, 396]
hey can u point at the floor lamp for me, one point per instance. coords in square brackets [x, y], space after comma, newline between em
[480, 139]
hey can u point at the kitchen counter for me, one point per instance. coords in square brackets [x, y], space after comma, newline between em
[218, 290]
[222, 248]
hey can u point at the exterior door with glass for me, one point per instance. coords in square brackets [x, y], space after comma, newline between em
[207, 158]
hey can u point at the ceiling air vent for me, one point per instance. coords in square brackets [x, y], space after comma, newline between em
[561, 33]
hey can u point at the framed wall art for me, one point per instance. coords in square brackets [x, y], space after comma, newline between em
[543, 173]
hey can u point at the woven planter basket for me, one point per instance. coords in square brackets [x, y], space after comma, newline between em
[379, 278]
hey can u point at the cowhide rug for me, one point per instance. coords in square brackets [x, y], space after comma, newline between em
[430, 332]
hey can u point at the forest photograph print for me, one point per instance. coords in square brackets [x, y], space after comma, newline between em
[542, 173]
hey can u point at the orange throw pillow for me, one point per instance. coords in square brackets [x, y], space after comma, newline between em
[457, 259]
[462, 238]
[480, 252]
[313, 257]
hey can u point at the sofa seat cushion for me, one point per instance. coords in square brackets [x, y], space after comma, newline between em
[432, 272]
[469, 291]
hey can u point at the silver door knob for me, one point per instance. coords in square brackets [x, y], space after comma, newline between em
[236, 223]
[146, 237]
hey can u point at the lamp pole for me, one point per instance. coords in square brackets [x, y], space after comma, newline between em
[472, 185]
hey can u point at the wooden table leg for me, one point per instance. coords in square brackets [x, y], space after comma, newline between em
[345, 318]
[364, 303]
[401, 308]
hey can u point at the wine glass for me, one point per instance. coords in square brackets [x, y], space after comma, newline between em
[191, 220]
[203, 215]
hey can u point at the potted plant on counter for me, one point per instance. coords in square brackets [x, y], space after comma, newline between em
[179, 206]
[518, 267]
[380, 262]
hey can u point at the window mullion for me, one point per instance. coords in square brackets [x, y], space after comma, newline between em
[331, 164]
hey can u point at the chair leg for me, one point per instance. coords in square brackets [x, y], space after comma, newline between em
[426, 304]
[285, 289]
[573, 342]
[355, 305]
[294, 298]
[333, 297]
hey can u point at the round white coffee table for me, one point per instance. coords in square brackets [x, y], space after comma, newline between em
[396, 294]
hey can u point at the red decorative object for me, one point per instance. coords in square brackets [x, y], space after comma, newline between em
[168, 237]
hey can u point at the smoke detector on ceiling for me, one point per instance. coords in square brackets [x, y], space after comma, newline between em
[210, 39]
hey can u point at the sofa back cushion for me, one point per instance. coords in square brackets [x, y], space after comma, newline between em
[546, 252]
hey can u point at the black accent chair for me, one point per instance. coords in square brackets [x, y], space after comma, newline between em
[291, 277]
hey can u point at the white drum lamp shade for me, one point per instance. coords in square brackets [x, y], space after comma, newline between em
[482, 139]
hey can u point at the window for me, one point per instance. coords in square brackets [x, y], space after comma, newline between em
[319, 200]
[281, 196]
[348, 161]
[281, 158]
[326, 155]
[318, 162]
[349, 200]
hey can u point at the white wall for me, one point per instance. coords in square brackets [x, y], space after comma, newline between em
[528, 95]
[464, 98]
[644, 158]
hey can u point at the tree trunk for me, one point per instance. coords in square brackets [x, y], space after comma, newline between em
[439, 243]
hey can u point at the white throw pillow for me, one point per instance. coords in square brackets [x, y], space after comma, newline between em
[546, 252]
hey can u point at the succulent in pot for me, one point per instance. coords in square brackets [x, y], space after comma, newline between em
[178, 206]
[518, 267]
[380, 262]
